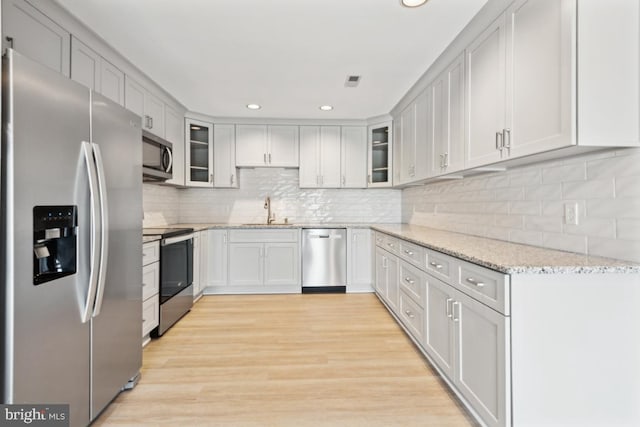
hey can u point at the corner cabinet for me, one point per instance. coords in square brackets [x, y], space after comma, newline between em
[225, 174]
[198, 153]
[267, 146]
[380, 153]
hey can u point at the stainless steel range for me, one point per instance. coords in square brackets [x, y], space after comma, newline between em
[176, 274]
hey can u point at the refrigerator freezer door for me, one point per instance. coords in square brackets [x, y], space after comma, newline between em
[116, 328]
[46, 354]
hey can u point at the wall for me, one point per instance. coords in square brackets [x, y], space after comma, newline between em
[526, 204]
[246, 204]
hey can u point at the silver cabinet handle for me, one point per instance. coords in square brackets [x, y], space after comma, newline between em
[211, 177]
[10, 40]
[456, 316]
[231, 179]
[448, 307]
[409, 314]
[506, 138]
[409, 281]
[435, 265]
[344, 180]
[269, 158]
[446, 160]
[264, 158]
[474, 282]
[408, 252]
[369, 178]
[151, 121]
[499, 138]
[390, 245]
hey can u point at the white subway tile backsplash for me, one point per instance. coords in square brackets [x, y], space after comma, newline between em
[605, 185]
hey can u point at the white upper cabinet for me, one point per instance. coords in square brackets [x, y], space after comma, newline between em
[145, 104]
[380, 150]
[224, 156]
[415, 139]
[95, 72]
[266, 145]
[199, 153]
[34, 35]
[447, 95]
[354, 157]
[174, 133]
[486, 94]
[319, 156]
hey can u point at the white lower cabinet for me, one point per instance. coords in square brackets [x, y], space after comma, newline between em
[254, 261]
[359, 260]
[386, 281]
[150, 288]
[200, 265]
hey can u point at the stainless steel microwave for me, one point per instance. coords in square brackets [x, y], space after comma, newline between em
[157, 158]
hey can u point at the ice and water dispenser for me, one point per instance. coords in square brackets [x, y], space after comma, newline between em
[54, 242]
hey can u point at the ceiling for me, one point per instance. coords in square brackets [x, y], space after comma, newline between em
[289, 56]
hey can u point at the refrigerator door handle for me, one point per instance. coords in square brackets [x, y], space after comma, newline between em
[104, 229]
[95, 235]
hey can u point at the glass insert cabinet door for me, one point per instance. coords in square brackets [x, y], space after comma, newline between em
[380, 152]
[199, 155]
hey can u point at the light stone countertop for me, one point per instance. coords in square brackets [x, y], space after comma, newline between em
[205, 226]
[148, 239]
[506, 257]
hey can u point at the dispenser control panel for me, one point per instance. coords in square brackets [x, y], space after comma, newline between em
[54, 242]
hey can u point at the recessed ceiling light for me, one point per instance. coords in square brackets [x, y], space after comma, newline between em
[326, 107]
[253, 106]
[413, 3]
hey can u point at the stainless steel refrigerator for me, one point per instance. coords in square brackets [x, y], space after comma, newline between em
[70, 241]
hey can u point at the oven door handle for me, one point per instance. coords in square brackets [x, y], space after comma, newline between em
[172, 240]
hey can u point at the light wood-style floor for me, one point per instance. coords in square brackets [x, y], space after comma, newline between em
[286, 360]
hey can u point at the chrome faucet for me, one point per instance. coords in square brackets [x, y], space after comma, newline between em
[267, 205]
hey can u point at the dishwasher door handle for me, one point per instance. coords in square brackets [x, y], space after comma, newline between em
[319, 236]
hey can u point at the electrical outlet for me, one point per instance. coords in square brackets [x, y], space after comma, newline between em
[571, 213]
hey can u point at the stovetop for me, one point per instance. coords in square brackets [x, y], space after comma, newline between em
[166, 232]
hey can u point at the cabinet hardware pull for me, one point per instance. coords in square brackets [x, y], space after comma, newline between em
[409, 281]
[448, 307]
[456, 317]
[435, 265]
[446, 160]
[499, 141]
[10, 40]
[269, 158]
[390, 245]
[506, 138]
[408, 252]
[344, 180]
[409, 313]
[231, 179]
[474, 282]
[211, 178]
[151, 121]
[369, 179]
[384, 262]
[264, 158]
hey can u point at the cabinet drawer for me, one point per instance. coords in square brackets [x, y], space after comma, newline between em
[150, 252]
[440, 265]
[391, 244]
[412, 253]
[379, 239]
[150, 280]
[412, 282]
[149, 315]
[263, 235]
[412, 315]
[487, 286]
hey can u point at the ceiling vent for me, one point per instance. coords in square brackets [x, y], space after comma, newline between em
[352, 81]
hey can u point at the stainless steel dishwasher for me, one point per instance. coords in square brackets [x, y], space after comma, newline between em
[324, 260]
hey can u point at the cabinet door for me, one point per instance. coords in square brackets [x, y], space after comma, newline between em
[330, 157]
[439, 333]
[245, 264]
[112, 82]
[204, 258]
[423, 139]
[281, 264]
[217, 258]
[486, 92]
[380, 280]
[380, 155]
[455, 158]
[251, 145]
[309, 156]
[538, 76]
[397, 151]
[224, 156]
[174, 133]
[199, 154]
[483, 358]
[359, 262]
[154, 109]
[85, 65]
[393, 285]
[354, 157]
[408, 143]
[197, 287]
[34, 35]
[283, 146]
[134, 98]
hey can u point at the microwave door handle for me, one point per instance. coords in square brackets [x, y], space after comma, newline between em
[94, 236]
[167, 152]
[104, 229]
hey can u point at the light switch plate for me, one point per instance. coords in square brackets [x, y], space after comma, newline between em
[571, 213]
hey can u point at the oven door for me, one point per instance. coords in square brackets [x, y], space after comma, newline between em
[176, 265]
